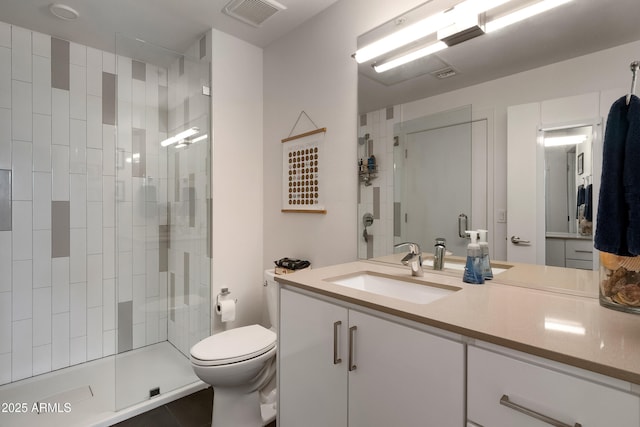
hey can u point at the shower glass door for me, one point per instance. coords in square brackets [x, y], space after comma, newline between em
[162, 209]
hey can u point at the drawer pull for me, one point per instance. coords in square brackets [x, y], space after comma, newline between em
[504, 400]
[352, 338]
[583, 251]
[336, 326]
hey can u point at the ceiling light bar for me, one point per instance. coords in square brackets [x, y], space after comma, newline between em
[423, 28]
[179, 137]
[558, 141]
[417, 54]
[522, 14]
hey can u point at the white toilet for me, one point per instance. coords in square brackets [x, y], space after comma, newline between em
[238, 364]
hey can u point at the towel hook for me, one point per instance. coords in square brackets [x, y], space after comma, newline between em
[634, 71]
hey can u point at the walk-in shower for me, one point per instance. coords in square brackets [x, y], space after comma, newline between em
[105, 232]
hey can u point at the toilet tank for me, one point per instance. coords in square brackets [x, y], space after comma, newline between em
[271, 288]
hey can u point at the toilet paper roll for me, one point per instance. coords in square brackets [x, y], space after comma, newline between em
[226, 308]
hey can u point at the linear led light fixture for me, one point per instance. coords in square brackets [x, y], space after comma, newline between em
[423, 28]
[559, 141]
[417, 54]
[179, 137]
[522, 14]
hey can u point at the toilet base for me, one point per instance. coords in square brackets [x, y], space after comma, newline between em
[234, 407]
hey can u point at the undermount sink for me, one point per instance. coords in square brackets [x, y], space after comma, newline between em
[428, 263]
[389, 286]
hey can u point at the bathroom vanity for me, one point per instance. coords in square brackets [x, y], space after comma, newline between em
[531, 348]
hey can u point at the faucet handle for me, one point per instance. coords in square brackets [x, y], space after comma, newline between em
[414, 248]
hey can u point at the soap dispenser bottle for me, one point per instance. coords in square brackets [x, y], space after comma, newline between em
[487, 273]
[473, 267]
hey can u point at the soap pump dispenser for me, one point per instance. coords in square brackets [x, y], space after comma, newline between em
[487, 273]
[473, 267]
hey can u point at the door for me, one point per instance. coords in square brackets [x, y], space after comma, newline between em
[403, 375]
[438, 167]
[313, 377]
[525, 227]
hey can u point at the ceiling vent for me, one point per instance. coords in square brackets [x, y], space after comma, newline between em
[444, 73]
[252, 12]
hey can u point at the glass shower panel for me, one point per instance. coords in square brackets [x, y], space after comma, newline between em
[163, 198]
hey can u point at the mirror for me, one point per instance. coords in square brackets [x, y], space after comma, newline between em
[568, 178]
[539, 59]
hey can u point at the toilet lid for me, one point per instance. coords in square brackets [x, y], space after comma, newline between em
[234, 345]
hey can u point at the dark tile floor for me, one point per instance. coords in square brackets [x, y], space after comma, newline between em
[190, 411]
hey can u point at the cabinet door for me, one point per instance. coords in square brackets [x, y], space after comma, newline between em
[404, 377]
[312, 389]
[523, 387]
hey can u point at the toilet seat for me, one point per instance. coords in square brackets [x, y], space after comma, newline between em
[233, 346]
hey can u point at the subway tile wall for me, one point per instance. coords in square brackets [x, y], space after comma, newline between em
[94, 215]
[377, 198]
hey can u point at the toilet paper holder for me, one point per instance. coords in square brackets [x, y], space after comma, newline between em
[224, 292]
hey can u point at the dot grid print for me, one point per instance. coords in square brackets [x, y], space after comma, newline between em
[303, 175]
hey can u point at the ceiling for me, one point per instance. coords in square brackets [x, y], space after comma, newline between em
[172, 24]
[577, 28]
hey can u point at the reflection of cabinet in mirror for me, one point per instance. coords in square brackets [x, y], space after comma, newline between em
[549, 176]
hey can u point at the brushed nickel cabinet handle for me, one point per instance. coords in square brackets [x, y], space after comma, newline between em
[504, 400]
[352, 338]
[336, 327]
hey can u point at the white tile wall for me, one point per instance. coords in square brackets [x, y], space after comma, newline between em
[5, 323]
[60, 341]
[5, 262]
[22, 110]
[41, 45]
[42, 84]
[22, 230]
[22, 161]
[77, 91]
[21, 54]
[22, 350]
[41, 316]
[59, 172]
[56, 312]
[41, 259]
[78, 146]
[60, 116]
[42, 143]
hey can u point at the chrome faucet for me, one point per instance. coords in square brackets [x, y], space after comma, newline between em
[413, 259]
[438, 257]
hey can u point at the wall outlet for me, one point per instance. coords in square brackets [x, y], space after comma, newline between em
[154, 392]
[501, 215]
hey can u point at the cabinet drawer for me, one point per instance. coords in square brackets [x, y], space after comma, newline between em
[579, 263]
[559, 396]
[579, 249]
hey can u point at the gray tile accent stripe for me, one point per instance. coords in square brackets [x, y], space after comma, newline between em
[60, 54]
[396, 219]
[363, 119]
[192, 200]
[186, 278]
[172, 296]
[5, 200]
[203, 47]
[186, 110]
[376, 202]
[370, 246]
[389, 113]
[176, 171]
[108, 98]
[60, 233]
[209, 228]
[163, 109]
[139, 70]
[139, 147]
[163, 262]
[125, 326]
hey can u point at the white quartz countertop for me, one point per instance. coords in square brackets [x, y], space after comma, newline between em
[549, 312]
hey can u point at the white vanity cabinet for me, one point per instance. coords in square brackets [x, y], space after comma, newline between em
[340, 367]
[505, 391]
